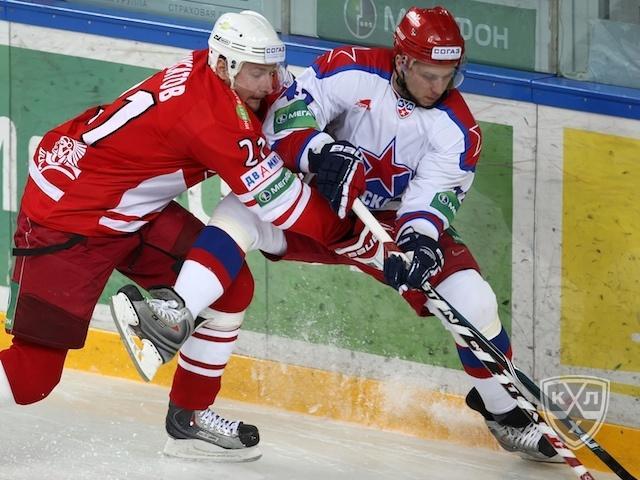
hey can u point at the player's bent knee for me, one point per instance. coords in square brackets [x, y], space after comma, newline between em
[474, 298]
[32, 371]
[246, 229]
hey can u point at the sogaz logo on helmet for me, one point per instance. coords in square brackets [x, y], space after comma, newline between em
[446, 53]
[275, 50]
[275, 53]
[360, 17]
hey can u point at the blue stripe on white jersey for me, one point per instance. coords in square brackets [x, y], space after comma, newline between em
[465, 132]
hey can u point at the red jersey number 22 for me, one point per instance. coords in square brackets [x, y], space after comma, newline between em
[247, 143]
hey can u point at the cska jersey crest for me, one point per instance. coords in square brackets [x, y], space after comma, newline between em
[386, 178]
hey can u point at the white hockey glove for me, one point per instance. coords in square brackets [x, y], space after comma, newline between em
[340, 176]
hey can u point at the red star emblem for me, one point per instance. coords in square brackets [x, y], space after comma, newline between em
[385, 176]
[349, 52]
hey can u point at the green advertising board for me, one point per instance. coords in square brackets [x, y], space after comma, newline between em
[494, 34]
[328, 305]
[202, 12]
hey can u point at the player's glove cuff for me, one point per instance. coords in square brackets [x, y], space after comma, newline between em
[340, 176]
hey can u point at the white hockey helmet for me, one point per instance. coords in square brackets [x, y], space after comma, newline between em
[244, 37]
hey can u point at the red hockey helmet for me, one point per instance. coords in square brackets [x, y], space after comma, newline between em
[429, 35]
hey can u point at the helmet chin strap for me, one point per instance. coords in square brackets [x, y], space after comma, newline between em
[404, 89]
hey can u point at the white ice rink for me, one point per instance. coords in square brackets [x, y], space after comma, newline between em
[99, 428]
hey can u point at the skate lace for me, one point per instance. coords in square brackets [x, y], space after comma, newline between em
[526, 438]
[213, 421]
[167, 310]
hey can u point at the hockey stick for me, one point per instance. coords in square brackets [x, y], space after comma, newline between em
[494, 361]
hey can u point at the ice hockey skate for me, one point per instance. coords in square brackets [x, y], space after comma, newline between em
[203, 434]
[152, 329]
[515, 432]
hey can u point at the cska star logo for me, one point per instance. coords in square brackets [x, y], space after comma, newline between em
[386, 178]
[404, 107]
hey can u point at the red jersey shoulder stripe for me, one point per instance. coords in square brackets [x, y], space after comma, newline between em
[378, 61]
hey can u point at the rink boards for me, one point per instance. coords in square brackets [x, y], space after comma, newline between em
[552, 220]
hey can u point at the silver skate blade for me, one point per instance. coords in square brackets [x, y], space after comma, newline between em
[541, 459]
[142, 352]
[201, 450]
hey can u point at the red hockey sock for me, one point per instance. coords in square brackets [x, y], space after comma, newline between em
[193, 391]
[32, 370]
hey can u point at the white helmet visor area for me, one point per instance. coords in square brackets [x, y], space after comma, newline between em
[458, 78]
[247, 39]
[262, 78]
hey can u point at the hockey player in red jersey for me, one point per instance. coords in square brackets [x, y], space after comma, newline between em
[99, 198]
[420, 145]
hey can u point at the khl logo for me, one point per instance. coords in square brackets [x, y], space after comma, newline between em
[584, 399]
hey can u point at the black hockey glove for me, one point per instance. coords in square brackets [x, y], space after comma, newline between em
[427, 261]
[340, 175]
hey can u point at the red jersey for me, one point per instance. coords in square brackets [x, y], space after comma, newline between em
[110, 170]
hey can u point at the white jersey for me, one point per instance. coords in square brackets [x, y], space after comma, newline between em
[419, 161]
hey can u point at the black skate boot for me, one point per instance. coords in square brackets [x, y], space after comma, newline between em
[203, 434]
[153, 329]
[515, 432]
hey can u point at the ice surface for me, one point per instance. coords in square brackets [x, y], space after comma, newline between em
[99, 428]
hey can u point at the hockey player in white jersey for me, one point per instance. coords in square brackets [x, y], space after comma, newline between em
[420, 145]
